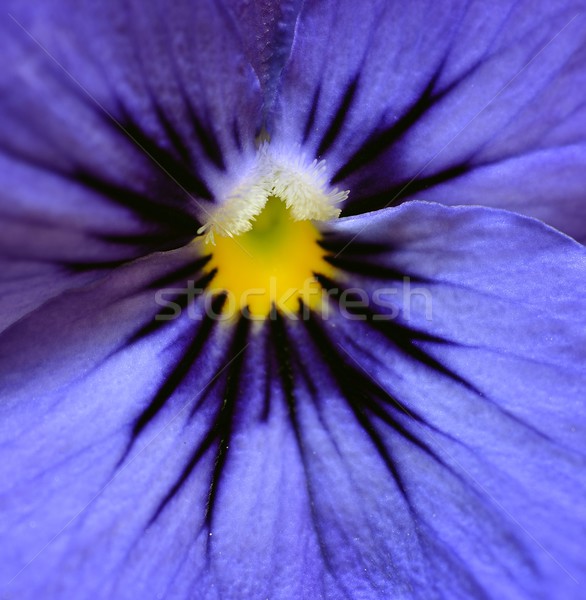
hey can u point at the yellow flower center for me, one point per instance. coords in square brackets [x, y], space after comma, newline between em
[270, 265]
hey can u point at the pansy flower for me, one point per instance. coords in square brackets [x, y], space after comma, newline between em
[293, 299]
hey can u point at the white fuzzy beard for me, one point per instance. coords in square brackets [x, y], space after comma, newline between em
[302, 185]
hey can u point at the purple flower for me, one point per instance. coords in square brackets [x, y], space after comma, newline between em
[401, 415]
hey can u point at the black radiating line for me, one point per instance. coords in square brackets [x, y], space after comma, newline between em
[395, 194]
[173, 216]
[180, 172]
[120, 120]
[180, 371]
[181, 300]
[80, 267]
[309, 124]
[270, 370]
[236, 135]
[162, 240]
[383, 139]
[393, 329]
[336, 244]
[366, 396]
[285, 373]
[354, 378]
[208, 142]
[399, 334]
[363, 394]
[225, 421]
[181, 273]
[220, 431]
[204, 446]
[181, 149]
[284, 369]
[371, 270]
[405, 338]
[176, 220]
[337, 123]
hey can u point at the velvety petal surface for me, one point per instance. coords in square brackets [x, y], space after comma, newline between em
[424, 456]
[95, 361]
[462, 102]
[267, 29]
[120, 122]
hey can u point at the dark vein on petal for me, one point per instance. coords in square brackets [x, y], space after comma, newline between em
[283, 352]
[376, 271]
[201, 126]
[220, 431]
[405, 338]
[181, 300]
[200, 451]
[337, 123]
[225, 422]
[154, 241]
[310, 123]
[394, 330]
[362, 392]
[395, 194]
[208, 142]
[344, 375]
[177, 220]
[304, 371]
[334, 243]
[81, 267]
[381, 141]
[271, 369]
[181, 273]
[182, 151]
[184, 174]
[236, 136]
[178, 373]
[460, 475]
[176, 217]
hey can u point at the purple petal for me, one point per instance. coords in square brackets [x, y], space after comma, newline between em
[116, 128]
[320, 458]
[267, 29]
[134, 109]
[463, 103]
[78, 378]
[470, 392]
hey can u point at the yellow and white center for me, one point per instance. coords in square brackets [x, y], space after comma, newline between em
[263, 237]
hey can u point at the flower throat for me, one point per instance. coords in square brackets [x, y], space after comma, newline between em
[272, 264]
[263, 236]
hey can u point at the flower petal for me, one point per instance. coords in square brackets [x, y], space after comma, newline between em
[267, 30]
[116, 129]
[328, 458]
[466, 376]
[81, 380]
[458, 103]
[133, 109]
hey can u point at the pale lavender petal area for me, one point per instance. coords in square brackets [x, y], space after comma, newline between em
[422, 456]
[471, 388]
[466, 102]
[75, 488]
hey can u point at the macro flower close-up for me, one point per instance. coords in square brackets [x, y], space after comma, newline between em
[292, 300]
